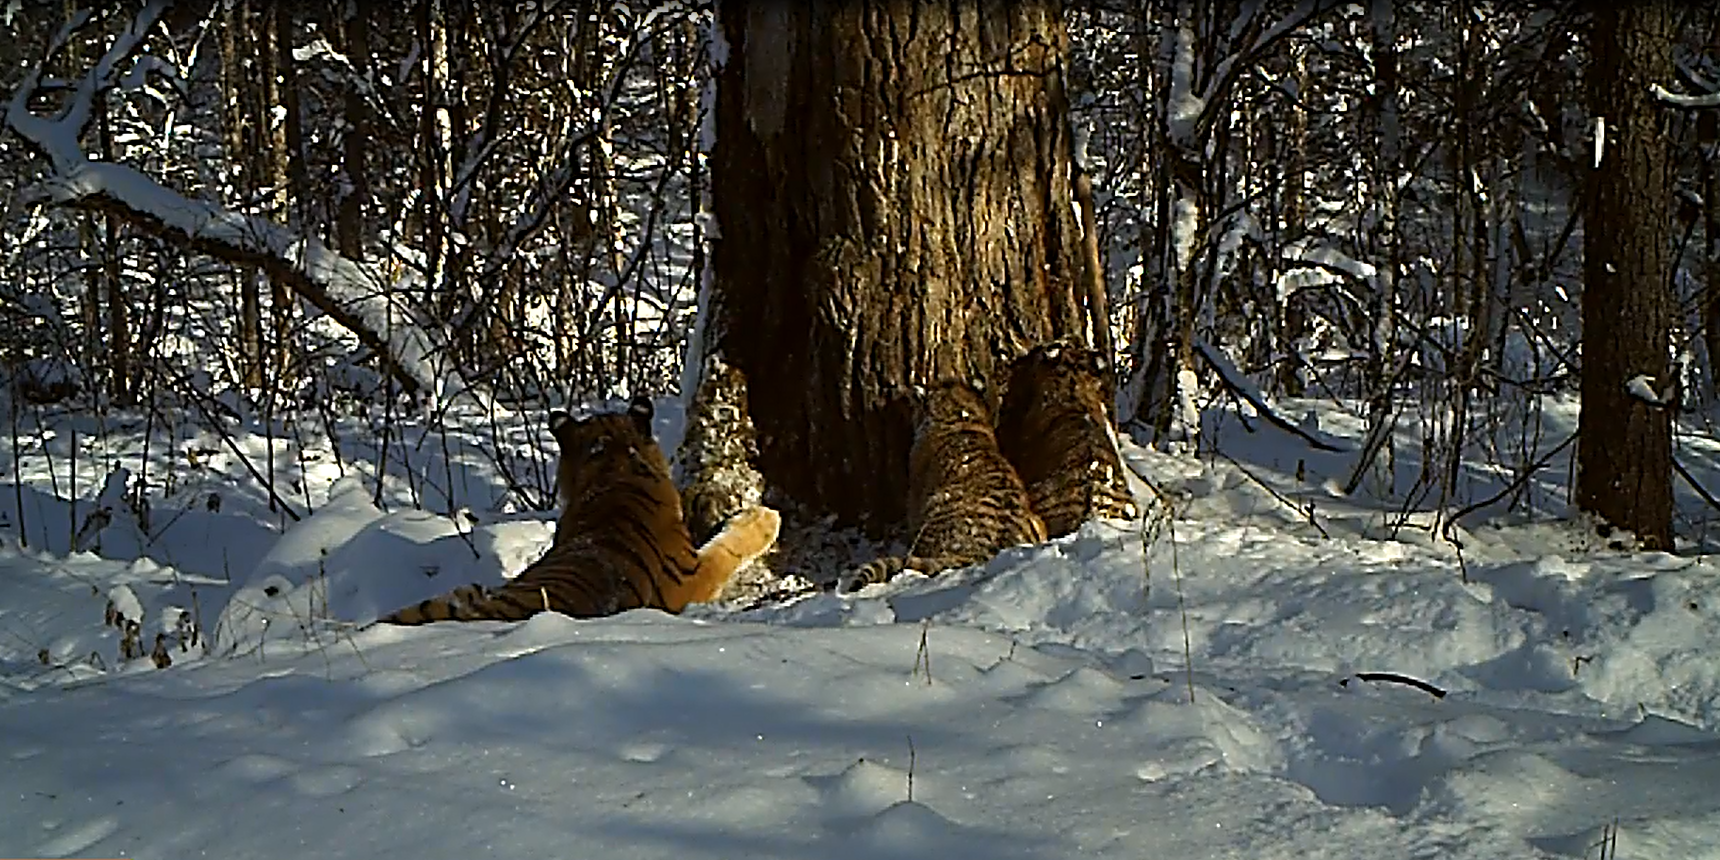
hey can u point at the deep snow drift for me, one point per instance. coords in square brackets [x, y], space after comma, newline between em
[1211, 695]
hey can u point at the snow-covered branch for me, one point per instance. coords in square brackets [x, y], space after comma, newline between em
[57, 138]
[1240, 385]
[1641, 387]
[350, 292]
[1707, 100]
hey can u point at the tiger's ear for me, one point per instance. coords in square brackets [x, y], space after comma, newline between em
[641, 410]
[559, 419]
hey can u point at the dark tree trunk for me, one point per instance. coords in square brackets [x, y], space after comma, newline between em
[1295, 218]
[1624, 444]
[118, 309]
[350, 218]
[239, 136]
[433, 160]
[892, 195]
[291, 174]
[271, 161]
[292, 135]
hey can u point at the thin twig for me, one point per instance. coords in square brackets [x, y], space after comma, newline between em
[220, 430]
[924, 656]
[1694, 484]
[1307, 514]
[912, 755]
[1510, 488]
[1149, 536]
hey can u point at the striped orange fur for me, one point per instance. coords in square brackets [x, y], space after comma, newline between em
[965, 501]
[621, 542]
[1055, 426]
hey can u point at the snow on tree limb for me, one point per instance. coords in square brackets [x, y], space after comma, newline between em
[348, 291]
[1706, 100]
[1641, 387]
[1239, 384]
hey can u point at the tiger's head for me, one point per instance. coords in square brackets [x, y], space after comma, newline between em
[950, 403]
[1053, 378]
[599, 451]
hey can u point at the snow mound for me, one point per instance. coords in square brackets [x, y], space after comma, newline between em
[350, 563]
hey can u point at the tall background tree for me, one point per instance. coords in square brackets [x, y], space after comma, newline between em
[891, 186]
[1624, 448]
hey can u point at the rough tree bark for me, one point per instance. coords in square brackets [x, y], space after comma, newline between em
[238, 132]
[891, 188]
[350, 217]
[1624, 442]
[113, 274]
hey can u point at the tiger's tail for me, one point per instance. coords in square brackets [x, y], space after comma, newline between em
[466, 603]
[567, 579]
[886, 568]
[578, 593]
[746, 536]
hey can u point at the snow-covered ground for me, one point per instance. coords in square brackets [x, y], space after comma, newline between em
[1213, 695]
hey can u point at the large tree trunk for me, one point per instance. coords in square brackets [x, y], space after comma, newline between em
[350, 218]
[118, 306]
[891, 190]
[1624, 442]
[238, 134]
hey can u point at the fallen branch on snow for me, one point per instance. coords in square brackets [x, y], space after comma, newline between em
[1395, 678]
[1241, 387]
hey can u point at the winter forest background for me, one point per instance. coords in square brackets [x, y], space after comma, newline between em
[1382, 206]
[1397, 295]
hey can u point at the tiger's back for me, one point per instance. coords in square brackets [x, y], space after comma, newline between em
[621, 542]
[1055, 427]
[965, 501]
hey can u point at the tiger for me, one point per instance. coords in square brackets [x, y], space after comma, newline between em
[620, 543]
[965, 501]
[1055, 428]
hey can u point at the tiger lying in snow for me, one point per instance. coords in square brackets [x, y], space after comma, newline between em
[621, 542]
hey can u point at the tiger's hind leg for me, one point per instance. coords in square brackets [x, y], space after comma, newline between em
[746, 536]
